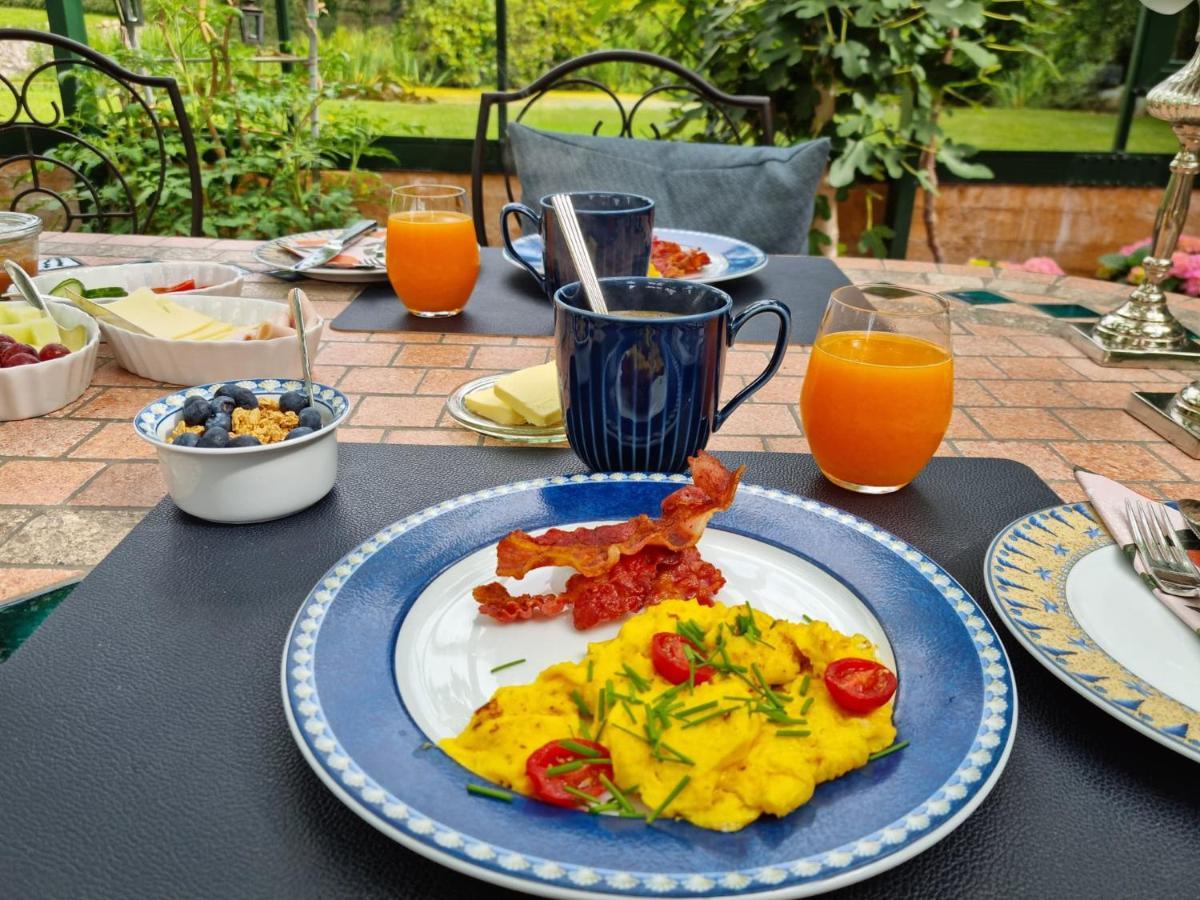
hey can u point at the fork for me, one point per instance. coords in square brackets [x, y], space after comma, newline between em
[1161, 550]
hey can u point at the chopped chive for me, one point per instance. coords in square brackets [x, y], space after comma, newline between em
[887, 751]
[632, 734]
[602, 698]
[675, 792]
[576, 764]
[686, 760]
[581, 749]
[804, 684]
[632, 815]
[585, 731]
[739, 699]
[692, 723]
[610, 806]
[591, 669]
[793, 732]
[508, 665]
[616, 794]
[766, 688]
[684, 713]
[493, 793]
[807, 618]
[807, 705]
[582, 795]
[585, 711]
[639, 683]
[629, 712]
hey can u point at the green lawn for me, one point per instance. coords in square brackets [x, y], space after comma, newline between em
[13, 17]
[453, 113]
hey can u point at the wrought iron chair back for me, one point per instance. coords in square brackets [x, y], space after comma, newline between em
[28, 136]
[685, 81]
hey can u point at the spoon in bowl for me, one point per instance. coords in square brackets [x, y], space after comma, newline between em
[296, 300]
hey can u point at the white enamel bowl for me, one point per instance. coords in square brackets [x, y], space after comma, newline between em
[217, 278]
[240, 485]
[28, 391]
[199, 362]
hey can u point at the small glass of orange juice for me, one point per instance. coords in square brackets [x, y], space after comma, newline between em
[879, 389]
[432, 256]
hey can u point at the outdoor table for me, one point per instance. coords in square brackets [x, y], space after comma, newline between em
[114, 801]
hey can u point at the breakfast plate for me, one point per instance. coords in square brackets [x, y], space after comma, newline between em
[730, 258]
[519, 434]
[1068, 593]
[276, 255]
[388, 655]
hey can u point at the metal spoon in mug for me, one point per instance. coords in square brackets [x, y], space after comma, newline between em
[295, 301]
[569, 224]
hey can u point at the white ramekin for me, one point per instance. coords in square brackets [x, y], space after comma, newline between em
[28, 391]
[239, 485]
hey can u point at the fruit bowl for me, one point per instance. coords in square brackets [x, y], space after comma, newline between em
[240, 485]
[34, 390]
[217, 278]
[192, 362]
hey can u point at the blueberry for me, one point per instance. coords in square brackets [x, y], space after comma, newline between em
[298, 432]
[219, 420]
[214, 438]
[223, 404]
[245, 440]
[186, 439]
[310, 418]
[243, 397]
[196, 410]
[293, 401]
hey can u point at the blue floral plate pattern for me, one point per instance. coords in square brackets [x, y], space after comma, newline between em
[731, 258]
[956, 704]
[1047, 574]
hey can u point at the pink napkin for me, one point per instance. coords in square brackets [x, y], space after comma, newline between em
[362, 254]
[1108, 498]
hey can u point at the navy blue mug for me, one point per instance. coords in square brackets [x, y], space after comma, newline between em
[640, 387]
[617, 229]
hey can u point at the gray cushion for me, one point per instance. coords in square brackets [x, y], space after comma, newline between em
[763, 195]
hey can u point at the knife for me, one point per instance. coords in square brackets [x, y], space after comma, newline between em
[332, 248]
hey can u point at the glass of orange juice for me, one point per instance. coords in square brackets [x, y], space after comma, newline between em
[432, 256]
[879, 389]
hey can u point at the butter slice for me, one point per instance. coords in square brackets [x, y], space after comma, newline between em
[160, 316]
[484, 402]
[533, 393]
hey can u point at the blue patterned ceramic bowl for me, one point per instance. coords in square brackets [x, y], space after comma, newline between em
[240, 485]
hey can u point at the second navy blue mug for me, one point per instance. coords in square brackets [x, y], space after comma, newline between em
[640, 387]
[617, 229]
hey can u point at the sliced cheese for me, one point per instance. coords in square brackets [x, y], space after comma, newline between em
[36, 332]
[160, 316]
[17, 311]
[213, 331]
[533, 393]
[484, 402]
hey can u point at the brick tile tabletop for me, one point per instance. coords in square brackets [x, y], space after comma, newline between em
[73, 483]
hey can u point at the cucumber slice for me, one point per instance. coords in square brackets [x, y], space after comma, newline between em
[103, 293]
[68, 289]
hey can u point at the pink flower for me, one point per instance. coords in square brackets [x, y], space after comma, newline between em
[1129, 248]
[1043, 265]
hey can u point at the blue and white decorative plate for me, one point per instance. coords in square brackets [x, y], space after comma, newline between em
[1071, 597]
[730, 258]
[388, 655]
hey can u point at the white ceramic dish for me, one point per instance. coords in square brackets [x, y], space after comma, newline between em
[199, 362]
[28, 391]
[217, 279]
[239, 485]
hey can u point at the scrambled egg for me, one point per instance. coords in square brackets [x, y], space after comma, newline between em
[741, 763]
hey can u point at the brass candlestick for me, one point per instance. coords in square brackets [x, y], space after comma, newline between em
[1143, 330]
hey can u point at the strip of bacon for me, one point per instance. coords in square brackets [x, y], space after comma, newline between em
[592, 551]
[639, 580]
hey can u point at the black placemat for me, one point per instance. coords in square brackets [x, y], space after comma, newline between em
[507, 301]
[144, 750]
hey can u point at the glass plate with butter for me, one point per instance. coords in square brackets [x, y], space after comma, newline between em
[486, 405]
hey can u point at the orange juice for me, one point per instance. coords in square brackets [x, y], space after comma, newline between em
[875, 406]
[432, 259]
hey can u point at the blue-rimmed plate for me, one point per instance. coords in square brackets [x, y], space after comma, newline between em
[387, 655]
[1068, 593]
[730, 258]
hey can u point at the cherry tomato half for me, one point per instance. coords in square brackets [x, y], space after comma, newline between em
[666, 652]
[188, 285]
[550, 788]
[859, 685]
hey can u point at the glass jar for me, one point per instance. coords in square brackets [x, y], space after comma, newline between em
[19, 242]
